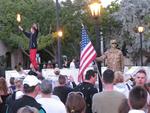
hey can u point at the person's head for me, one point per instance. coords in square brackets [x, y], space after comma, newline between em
[140, 77]
[28, 109]
[11, 80]
[73, 60]
[118, 77]
[108, 76]
[75, 103]
[62, 79]
[3, 86]
[137, 97]
[113, 43]
[57, 71]
[124, 106]
[46, 87]
[31, 85]
[18, 83]
[33, 28]
[91, 76]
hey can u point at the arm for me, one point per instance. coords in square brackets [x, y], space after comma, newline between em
[27, 34]
[101, 58]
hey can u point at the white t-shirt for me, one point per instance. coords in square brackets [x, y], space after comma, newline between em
[122, 87]
[19, 94]
[52, 105]
[72, 65]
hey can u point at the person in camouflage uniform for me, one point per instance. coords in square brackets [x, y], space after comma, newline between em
[113, 57]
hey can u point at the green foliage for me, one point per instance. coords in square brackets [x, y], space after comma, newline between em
[43, 12]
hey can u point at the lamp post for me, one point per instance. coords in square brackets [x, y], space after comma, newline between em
[141, 30]
[58, 35]
[95, 7]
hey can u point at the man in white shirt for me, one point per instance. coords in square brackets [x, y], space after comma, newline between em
[51, 105]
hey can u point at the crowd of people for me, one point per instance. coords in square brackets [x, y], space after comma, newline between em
[63, 95]
[35, 94]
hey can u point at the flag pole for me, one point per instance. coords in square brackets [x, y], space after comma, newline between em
[99, 78]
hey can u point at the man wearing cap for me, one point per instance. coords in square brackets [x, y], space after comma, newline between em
[114, 57]
[31, 89]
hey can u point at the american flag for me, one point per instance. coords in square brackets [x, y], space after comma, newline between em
[87, 55]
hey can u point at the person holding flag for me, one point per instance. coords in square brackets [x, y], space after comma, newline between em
[32, 35]
[113, 56]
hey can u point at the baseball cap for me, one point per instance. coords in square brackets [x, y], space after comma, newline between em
[31, 80]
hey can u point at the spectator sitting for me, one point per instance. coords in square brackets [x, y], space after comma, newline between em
[75, 103]
[137, 99]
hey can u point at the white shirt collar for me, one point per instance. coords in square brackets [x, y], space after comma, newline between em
[136, 111]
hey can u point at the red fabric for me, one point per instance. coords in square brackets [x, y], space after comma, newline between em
[87, 55]
[33, 58]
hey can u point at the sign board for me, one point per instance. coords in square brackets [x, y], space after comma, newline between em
[48, 73]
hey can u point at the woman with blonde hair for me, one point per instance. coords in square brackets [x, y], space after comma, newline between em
[75, 103]
[119, 83]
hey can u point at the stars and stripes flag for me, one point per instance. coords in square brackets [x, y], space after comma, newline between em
[87, 53]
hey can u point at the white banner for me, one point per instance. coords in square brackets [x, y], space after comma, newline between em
[48, 73]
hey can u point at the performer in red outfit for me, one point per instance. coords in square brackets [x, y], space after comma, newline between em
[32, 35]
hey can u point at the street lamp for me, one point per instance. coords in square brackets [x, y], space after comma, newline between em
[141, 30]
[59, 35]
[95, 8]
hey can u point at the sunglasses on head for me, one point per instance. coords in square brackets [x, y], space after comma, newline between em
[76, 93]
